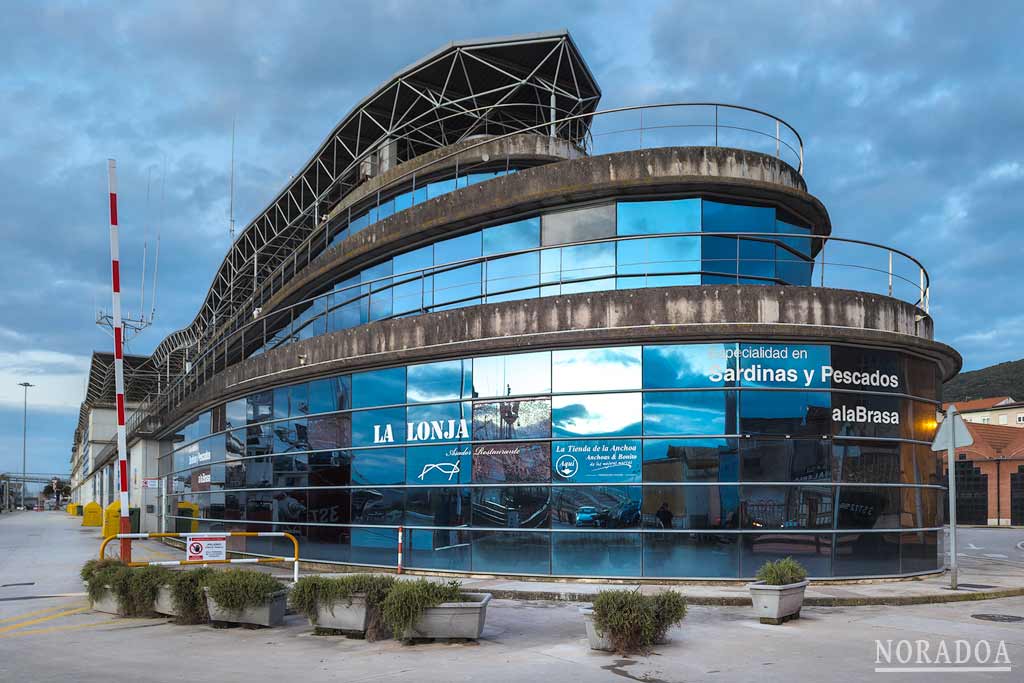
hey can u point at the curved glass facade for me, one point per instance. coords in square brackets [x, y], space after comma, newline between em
[430, 278]
[685, 460]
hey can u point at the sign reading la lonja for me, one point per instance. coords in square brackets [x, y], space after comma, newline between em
[434, 430]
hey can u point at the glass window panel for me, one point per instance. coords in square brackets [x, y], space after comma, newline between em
[578, 225]
[512, 552]
[330, 431]
[347, 306]
[443, 381]
[373, 427]
[511, 375]
[511, 462]
[792, 269]
[718, 260]
[459, 248]
[458, 288]
[864, 415]
[440, 187]
[596, 415]
[330, 394]
[416, 290]
[788, 507]
[513, 278]
[689, 413]
[707, 460]
[691, 555]
[403, 201]
[614, 369]
[919, 552]
[235, 413]
[330, 468]
[312, 321]
[438, 422]
[377, 285]
[719, 217]
[691, 507]
[689, 366]
[813, 551]
[445, 506]
[281, 402]
[512, 419]
[524, 234]
[299, 399]
[786, 460]
[290, 436]
[649, 218]
[378, 506]
[869, 507]
[596, 507]
[586, 554]
[757, 261]
[648, 260]
[378, 388]
[374, 546]
[439, 464]
[920, 508]
[868, 461]
[525, 507]
[869, 369]
[597, 461]
[866, 554]
[582, 264]
[438, 549]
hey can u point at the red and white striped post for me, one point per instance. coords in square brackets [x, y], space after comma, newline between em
[115, 286]
[400, 534]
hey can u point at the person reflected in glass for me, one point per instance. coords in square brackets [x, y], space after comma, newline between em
[664, 516]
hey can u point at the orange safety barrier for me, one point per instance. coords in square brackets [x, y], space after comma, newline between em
[245, 560]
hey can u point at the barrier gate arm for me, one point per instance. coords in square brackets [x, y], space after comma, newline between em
[245, 560]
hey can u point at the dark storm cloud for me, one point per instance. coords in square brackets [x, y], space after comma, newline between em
[911, 116]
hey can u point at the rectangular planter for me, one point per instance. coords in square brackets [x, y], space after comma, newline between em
[270, 613]
[107, 603]
[596, 637]
[343, 616]
[453, 619]
[777, 604]
[164, 603]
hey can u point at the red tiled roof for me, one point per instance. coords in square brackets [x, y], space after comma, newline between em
[978, 403]
[994, 441]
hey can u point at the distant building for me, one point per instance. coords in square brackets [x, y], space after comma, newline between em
[990, 476]
[996, 410]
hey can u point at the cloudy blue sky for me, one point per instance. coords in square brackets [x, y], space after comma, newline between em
[911, 113]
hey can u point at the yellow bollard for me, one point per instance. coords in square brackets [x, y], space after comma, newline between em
[92, 515]
[186, 509]
[112, 519]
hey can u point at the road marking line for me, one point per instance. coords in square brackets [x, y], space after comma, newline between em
[23, 624]
[54, 629]
[27, 615]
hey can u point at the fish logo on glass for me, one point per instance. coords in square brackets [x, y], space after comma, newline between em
[449, 468]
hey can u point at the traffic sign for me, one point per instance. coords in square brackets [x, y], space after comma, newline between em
[203, 547]
[952, 433]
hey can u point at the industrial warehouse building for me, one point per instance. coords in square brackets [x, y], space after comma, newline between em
[535, 338]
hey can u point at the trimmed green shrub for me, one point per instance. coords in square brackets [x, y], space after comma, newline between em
[310, 592]
[407, 600]
[188, 597]
[98, 574]
[633, 622]
[237, 589]
[135, 589]
[782, 572]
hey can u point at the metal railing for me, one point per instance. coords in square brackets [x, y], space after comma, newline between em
[873, 268]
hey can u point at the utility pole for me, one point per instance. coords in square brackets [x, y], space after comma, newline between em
[24, 441]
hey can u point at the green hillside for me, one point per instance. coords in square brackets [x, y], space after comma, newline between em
[1005, 379]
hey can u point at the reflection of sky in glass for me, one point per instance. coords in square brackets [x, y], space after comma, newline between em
[648, 218]
[438, 464]
[615, 369]
[523, 419]
[816, 358]
[363, 422]
[444, 381]
[515, 374]
[441, 412]
[378, 388]
[596, 415]
[684, 413]
[381, 466]
[689, 366]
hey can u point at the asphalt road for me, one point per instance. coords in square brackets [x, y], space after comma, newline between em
[1003, 545]
[48, 633]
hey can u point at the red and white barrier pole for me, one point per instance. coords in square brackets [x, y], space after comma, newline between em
[400, 534]
[115, 286]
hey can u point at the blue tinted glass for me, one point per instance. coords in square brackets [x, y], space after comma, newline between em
[786, 460]
[513, 278]
[784, 365]
[511, 462]
[375, 280]
[792, 269]
[440, 187]
[596, 507]
[438, 549]
[757, 260]
[385, 209]
[347, 308]
[720, 217]
[443, 465]
[281, 402]
[649, 259]
[512, 552]
[511, 375]
[648, 218]
[596, 415]
[524, 234]
[439, 422]
[784, 412]
[689, 413]
[800, 244]
[614, 369]
[718, 256]
[813, 551]
[458, 288]
[691, 507]
[578, 225]
[413, 291]
[596, 461]
[514, 419]
[384, 426]
[458, 249]
[443, 381]
[706, 460]
[374, 546]
[688, 366]
[581, 265]
[596, 554]
[697, 555]
[358, 224]
[378, 388]
[526, 507]
[403, 201]
[378, 466]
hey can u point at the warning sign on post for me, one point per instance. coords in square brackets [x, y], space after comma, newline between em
[205, 548]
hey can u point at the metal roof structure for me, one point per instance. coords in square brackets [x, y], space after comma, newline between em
[464, 89]
[141, 377]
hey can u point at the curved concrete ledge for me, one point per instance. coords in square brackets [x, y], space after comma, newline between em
[725, 173]
[667, 314]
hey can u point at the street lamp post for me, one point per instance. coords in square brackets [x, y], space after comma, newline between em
[24, 441]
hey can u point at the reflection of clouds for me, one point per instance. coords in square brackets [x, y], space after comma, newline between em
[596, 369]
[435, 381]
[684, 366]
[690, 413]
[521, 373]
[598, 414]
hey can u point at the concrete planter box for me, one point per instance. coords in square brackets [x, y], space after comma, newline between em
[453, 619]
[343, 615]
[164, 603]
[777, 604]
[270, 613]
[107, 603]
[597, 638]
